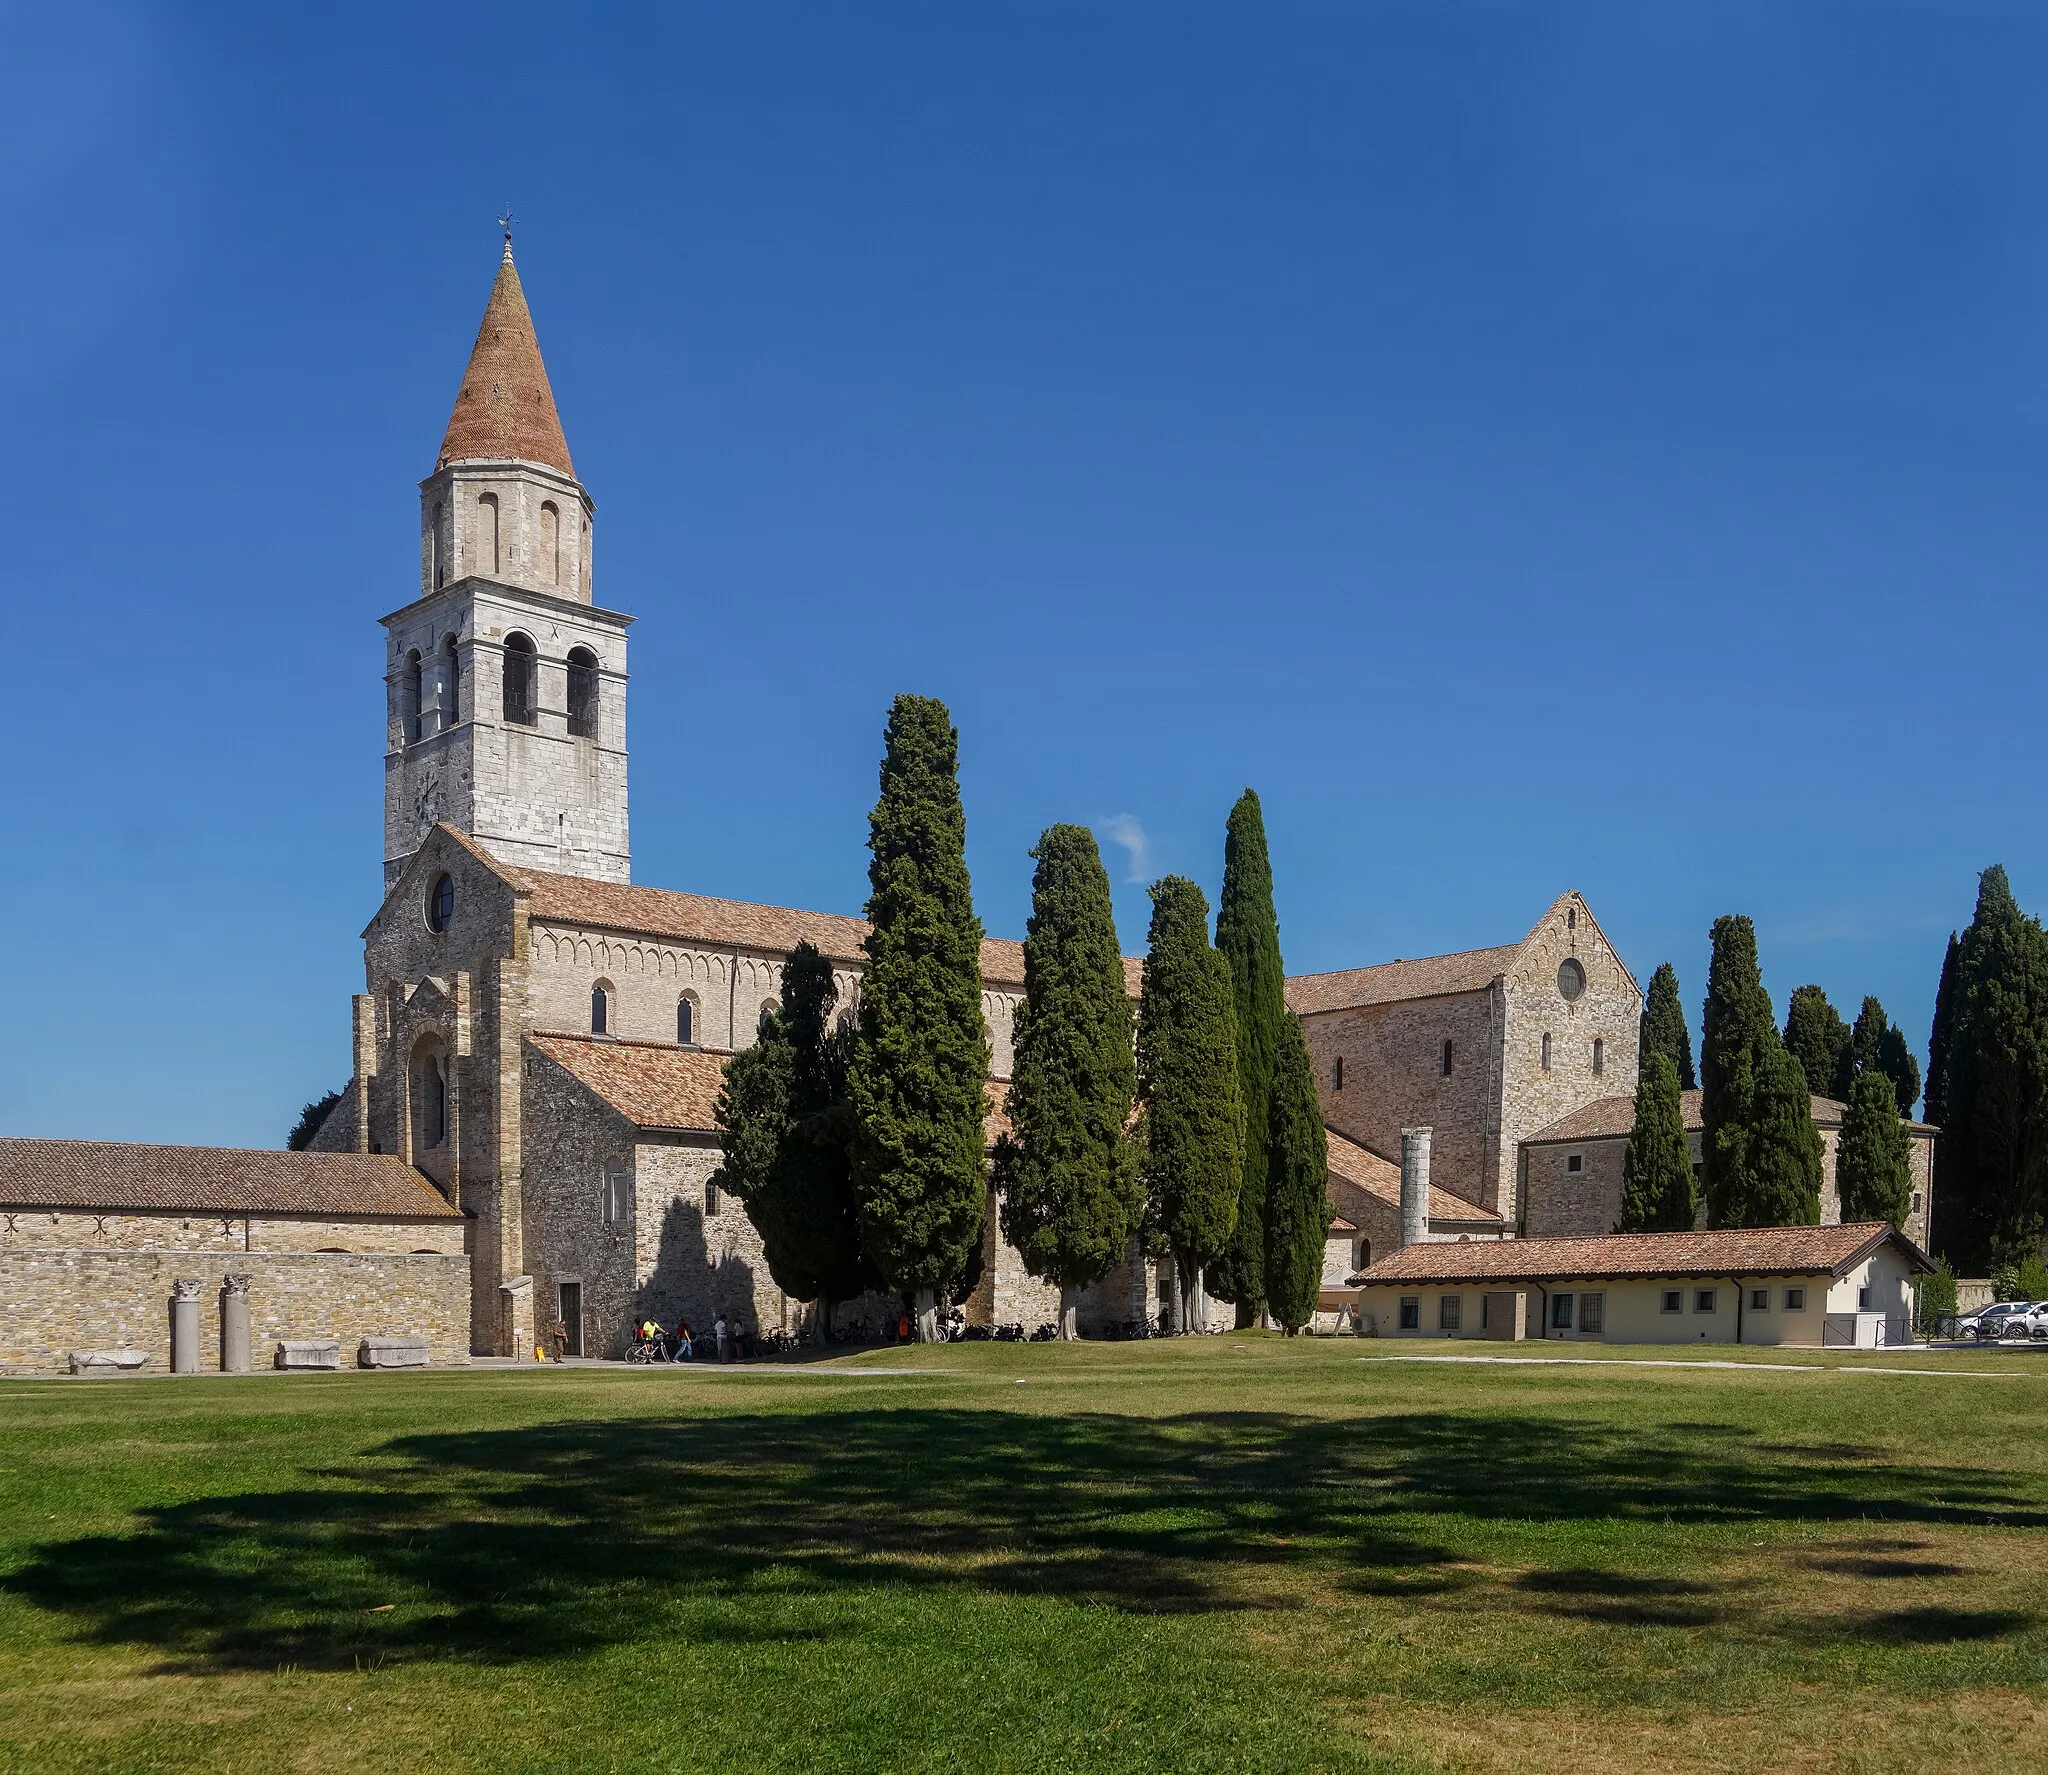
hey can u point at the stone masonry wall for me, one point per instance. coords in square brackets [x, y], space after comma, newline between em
[54, 1300]
[42, 1228]
[1558, 1202]
[1394, 1079]
[1608, 1011]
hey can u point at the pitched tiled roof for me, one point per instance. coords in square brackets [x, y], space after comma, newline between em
[1602, 1119]
[776, 930]
[1745, 1251]
[655, 1085]
[1611, 1118]
[112, 1175]
[1365, 1169]
[505, 406]
[1392, 981]
[651, 1084]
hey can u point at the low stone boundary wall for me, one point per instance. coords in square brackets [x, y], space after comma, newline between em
[54, 1301]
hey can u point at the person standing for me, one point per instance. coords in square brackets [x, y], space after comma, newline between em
[721, 1334]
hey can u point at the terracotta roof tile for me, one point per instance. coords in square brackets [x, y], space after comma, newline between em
[1392, 981]
[505, 406]
[775, 930]
[651, 1084]
[113, 1174]
[1745, 1251]
[1380, 1176]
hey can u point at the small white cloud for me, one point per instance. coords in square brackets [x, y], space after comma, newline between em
[1127, 831]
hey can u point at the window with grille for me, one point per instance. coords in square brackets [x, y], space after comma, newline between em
[522, 682]
[583, 693]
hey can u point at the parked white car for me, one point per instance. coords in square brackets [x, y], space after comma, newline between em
[2031, 1320]
[1990, 1322]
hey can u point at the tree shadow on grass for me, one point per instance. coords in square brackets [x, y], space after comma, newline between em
[503, 1545]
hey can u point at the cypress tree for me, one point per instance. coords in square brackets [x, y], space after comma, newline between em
[920, 1066]
[1737, 1035]
[1941, 1035]
[1658, 1194]
[1991, 1163]
[784, 1123]
[1781, 1184]
[1873, 1176]
[1818, 1039]
[1895, 1060]
[1068, 1179]
[1248, 935]
[1193, 1119]
[1663, 1029]
[1298, 1204]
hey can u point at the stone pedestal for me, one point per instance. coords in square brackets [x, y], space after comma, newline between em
[234, 1325]
[185, 1325]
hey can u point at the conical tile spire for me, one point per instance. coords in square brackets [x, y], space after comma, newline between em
[505, 406]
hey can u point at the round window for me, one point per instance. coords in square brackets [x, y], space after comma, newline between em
[1571, 978]
[440, 902]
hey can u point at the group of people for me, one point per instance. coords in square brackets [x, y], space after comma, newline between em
[727, 1340]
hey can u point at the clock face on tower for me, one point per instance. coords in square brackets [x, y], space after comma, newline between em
[427, 800]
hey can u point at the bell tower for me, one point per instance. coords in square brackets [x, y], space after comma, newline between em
[506, 683]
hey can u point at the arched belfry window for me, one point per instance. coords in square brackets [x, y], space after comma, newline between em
[487, 533]
[550, 543]
[522, 681]
[583, 693]
[601, 1008]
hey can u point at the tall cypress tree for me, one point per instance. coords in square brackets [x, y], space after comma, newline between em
[785, 1126]
[1941, 1035]
[1248, 935]
[1193, 1119]
[920, 1066]
[1298, 1203]
[1895, 1060]
[1818, 1039]
[1068, 1179]
[1873, 1172]
[1658, 1194]
[1991, 1163]
[1737, 1036]
[1663, 1028]
[1780, 1186]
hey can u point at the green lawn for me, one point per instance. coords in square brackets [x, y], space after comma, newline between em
[1238, 1553]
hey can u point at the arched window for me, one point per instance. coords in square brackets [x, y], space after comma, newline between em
[451, 682]
[441, 903]
[487, 533]
[550, 543]
[1337, 1073]
[601, 1008]
[1363, 1255]
[432, 1101]
[768, 1009]
[1546, 1050]
[440, 564]
[1571, 918]
[409, 697]
[583, 693]
[1599, 1054]
[522, 680]
[1447, 1059]
[686, 1020]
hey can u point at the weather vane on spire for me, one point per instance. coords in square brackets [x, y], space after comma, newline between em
[505, 222]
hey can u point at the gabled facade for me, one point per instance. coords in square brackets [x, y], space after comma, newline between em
[1484, 1048]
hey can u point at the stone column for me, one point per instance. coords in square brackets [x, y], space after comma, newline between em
[234, 1325]
[185, 1325]
[1414, 1185]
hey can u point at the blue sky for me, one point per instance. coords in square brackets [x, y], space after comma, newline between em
[1537, 447]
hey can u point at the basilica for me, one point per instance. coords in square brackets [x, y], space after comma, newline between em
[527, 1139]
